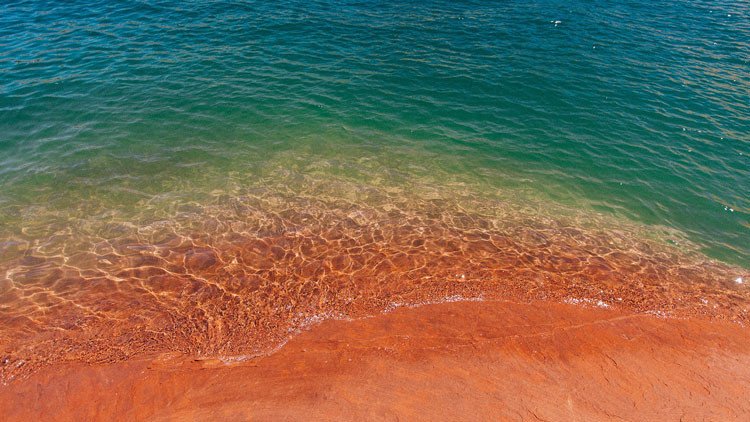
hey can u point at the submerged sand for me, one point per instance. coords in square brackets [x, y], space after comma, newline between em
[198, 316]
[452, 361]
[259, 268]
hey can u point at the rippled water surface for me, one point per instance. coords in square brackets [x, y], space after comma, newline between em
[207, 176]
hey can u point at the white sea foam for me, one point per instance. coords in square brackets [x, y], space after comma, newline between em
[591, 302]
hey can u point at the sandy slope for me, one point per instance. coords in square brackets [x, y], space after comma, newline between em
[453, 361]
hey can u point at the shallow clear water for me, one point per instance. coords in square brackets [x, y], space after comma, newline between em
[136, 129]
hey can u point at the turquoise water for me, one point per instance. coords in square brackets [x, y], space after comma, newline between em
[631, 108]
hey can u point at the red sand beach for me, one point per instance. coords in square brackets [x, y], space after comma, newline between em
[451, 361]
[345, 211]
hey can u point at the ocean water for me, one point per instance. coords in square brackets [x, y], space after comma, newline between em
[209, 177]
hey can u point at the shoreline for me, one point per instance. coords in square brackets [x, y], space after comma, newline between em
[275, 263]
[461, 360]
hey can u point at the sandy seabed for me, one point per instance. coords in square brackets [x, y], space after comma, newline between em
[451, 361]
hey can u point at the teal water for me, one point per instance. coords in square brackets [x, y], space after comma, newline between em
[210, 177]
[634, 109]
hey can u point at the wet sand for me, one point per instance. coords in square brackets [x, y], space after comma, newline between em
[455, 361]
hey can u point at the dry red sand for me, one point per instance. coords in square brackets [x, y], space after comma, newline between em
[453, 361]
